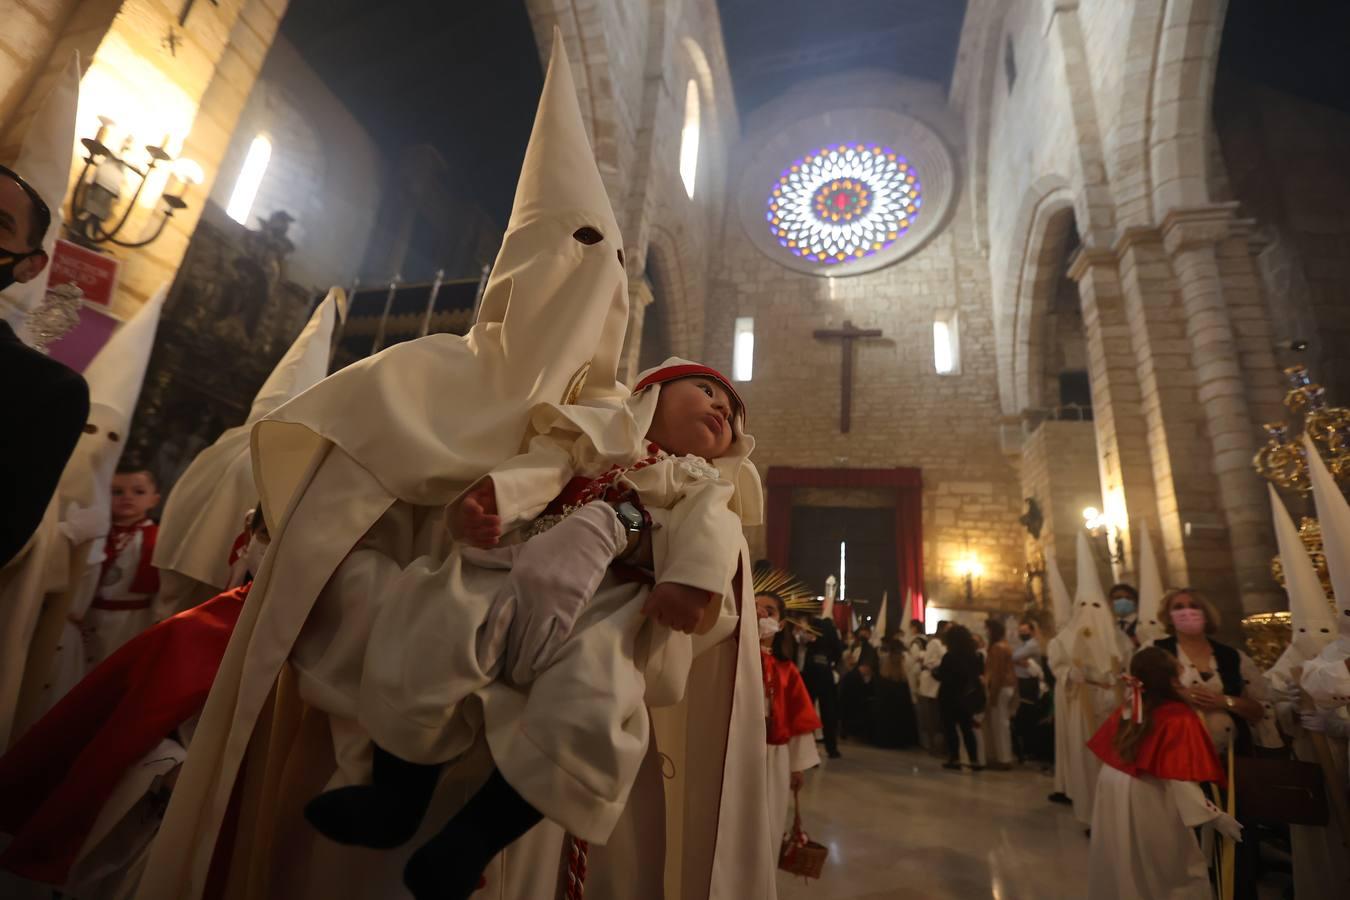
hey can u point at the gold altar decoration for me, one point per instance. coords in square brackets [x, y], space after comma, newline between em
[1267, 636]
[1281, 460]
[1310, 532]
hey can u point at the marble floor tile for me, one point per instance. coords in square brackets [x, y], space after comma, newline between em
[900, 827]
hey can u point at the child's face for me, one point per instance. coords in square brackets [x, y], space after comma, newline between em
[133, 495]
[766, 607]
[693, 417]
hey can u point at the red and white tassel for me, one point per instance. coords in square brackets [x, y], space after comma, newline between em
[1134, 700]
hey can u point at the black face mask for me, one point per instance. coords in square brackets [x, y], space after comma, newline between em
[10, 259]
[1024, 636]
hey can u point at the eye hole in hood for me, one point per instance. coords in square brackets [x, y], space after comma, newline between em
[588, 235]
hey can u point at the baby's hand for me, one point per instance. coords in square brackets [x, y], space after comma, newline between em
[475, 520]
[677, 606]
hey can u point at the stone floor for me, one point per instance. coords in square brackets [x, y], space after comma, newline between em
[900, 827]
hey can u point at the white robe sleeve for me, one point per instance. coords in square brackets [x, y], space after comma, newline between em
[1057, 654]
[700, 538]
[527, 483]
[1191, 802]
[802, 753]
[1326, 678]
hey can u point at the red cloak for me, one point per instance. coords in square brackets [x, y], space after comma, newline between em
[1176, 746]
[56, 778]
[789, 706]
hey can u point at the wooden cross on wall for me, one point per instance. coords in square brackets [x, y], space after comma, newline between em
[848, 334]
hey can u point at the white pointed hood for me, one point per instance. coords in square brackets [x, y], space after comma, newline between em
[1150, 627]
[1333, 514]
[561, 201]
[205, 509]
[305, 363]
[1314, 626]
[427, 417]
[114, 376]
[45, 162]
[1096, 645]
[1061, 603]
[878, 632]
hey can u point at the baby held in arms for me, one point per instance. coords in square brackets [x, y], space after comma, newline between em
[567, 604]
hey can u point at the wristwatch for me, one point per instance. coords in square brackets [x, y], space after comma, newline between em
[635, 519]
[1228, 702]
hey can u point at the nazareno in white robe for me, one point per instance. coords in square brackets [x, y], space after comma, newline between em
[572, 740]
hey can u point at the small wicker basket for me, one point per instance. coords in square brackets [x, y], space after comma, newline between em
[799, 854]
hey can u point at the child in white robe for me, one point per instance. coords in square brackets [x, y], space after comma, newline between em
[123, 604]
[546, 634]
[1155, 754]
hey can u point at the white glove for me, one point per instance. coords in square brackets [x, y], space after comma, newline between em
[83, 523]
[1313, 721]
[1287, 694]
[1228, 826]
[553, 576]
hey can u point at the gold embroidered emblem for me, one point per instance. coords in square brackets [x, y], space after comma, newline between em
[577, 382]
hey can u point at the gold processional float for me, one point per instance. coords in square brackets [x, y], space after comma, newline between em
[1281, 461]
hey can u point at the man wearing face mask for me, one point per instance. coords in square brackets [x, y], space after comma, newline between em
[1125, 608]
[54, 402]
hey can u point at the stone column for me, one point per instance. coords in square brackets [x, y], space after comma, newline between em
[1191, 237]
[1124, 465]
[640, 298]
[1179, 452]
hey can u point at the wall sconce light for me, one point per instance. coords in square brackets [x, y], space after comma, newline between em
[1099, 523]
[99, 188]
[971, 570]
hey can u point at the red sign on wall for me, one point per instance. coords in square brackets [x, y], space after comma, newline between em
[94, 273]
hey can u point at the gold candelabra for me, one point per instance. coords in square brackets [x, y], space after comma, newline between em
[1281, 460]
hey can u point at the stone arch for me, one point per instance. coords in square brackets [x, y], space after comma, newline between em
[986, 75]
[584, 33]
[1165, 116]
[666, 269]
[1183, 95]
[1046, 215]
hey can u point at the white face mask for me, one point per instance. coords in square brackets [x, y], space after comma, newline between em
[768, 627]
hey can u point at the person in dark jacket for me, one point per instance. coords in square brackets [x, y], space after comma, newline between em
[960, 694]
[47, 402]
[822, 655]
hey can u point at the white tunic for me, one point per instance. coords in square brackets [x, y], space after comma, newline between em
[781, 760]
[1142, 842]
[1326, 679]
[106, 630]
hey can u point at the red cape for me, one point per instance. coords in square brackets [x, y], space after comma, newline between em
[55, 780]
[1177, 746]
[791, 711]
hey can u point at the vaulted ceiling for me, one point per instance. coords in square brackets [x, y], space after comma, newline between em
[774, 44]
[463, 77]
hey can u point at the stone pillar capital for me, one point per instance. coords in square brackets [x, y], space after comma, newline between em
[640, 294]
[1088, 258]
[1198, 226]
